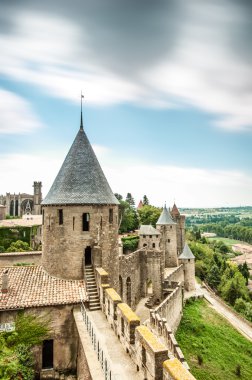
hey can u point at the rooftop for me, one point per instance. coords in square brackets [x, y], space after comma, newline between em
[31, 286]
[27, 221]
[80, 179]
[186, 253]
[165, 217]
[148, 230]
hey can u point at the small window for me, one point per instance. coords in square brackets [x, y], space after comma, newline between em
[150, 236]
[169, 240]
[170, 227]
[144, 236]
[145, 245]
[60, 214]
[110, 215]
[85, 221]
[101, 223]
[153, 245]
[73, 222]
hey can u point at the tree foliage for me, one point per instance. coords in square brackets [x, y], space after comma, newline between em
[16, 359]
[19, 246]
[149, 215]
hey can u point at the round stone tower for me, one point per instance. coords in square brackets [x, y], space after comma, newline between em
[80, 217]
[168, 239]
[188, 260]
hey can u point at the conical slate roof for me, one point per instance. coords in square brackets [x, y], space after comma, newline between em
[80, 179]
[187, 253]
[165, 217]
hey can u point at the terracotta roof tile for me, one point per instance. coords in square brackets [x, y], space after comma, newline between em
[32, 286]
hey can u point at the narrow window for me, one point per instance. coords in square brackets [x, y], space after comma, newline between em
[153, 245]
[85, 221]
[110, 215]
[47, 354]
[49, 223]
[101, 223]
[143, 356]
[150, 236]
[144, 236]
[122, 326]
[169, 240]
[73, 222]
[60, 214]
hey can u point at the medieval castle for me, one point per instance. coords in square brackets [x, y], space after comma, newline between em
[92, 290]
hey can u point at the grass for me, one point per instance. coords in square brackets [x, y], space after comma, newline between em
[207, 338]
[227, 241]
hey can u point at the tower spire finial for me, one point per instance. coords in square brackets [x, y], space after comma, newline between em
[81, 120]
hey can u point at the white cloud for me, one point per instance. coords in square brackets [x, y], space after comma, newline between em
[202, 70]
[16, 115]
[190, 187]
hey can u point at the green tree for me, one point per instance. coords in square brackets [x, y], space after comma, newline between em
[19, 246]
[128, 217]
[130, 199]
[149, 215]
[16, 359]
[214, 276]
[243, 268]
[233, 288]
[145, 200]
[118, 196]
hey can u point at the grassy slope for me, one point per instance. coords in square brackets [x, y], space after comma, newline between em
[204, 332]
[226, 240]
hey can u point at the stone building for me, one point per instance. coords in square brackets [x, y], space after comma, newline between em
[21, 203]
[82, 265]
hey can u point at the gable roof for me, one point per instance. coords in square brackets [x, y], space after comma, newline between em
[80, 179]
[175, 211]
[148, 230]
[187, 253]
[165, 217]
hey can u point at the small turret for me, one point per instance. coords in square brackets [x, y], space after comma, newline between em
[180, 220]
[188, 260]
[168, 242]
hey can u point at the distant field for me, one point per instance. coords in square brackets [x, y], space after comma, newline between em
[227, 241]
[213, 349]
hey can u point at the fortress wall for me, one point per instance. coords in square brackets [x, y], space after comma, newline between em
[172, 307]
[176, 276]
[13, 258]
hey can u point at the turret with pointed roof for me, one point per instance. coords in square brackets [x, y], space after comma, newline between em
[80, 179]
[187, 259]
[80, 216]
[168, 241]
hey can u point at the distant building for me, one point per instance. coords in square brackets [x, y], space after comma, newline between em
[19, 204]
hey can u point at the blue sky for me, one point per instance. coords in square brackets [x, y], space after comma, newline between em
[167, 88]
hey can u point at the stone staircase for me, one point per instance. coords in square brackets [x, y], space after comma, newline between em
[150, 302]
[94, 302]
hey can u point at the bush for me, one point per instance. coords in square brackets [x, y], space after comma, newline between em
[130, 243]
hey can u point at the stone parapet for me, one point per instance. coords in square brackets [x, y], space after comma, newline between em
[112, 299]
[127, 321]
[174, 370]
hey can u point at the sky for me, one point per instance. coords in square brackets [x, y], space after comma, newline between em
[167, 95]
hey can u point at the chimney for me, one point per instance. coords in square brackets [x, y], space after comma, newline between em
[5, 281]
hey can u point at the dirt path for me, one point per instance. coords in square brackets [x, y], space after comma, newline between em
[244, 328]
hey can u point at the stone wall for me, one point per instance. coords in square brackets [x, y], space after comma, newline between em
[172, 307]
[63, 332]
[177, 275]
[13, 258]
[174, 370]
[168, 244]
[136, 270]
[65, 244]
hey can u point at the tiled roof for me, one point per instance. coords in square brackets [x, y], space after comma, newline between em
[148, 230]
[165, 217]
[31, 286]
[80, 179]
[175, 211]
[187, 253]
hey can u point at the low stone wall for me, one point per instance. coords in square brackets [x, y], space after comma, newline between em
[174, 370]
[13, 258]
[127, 321]
[112, 299]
